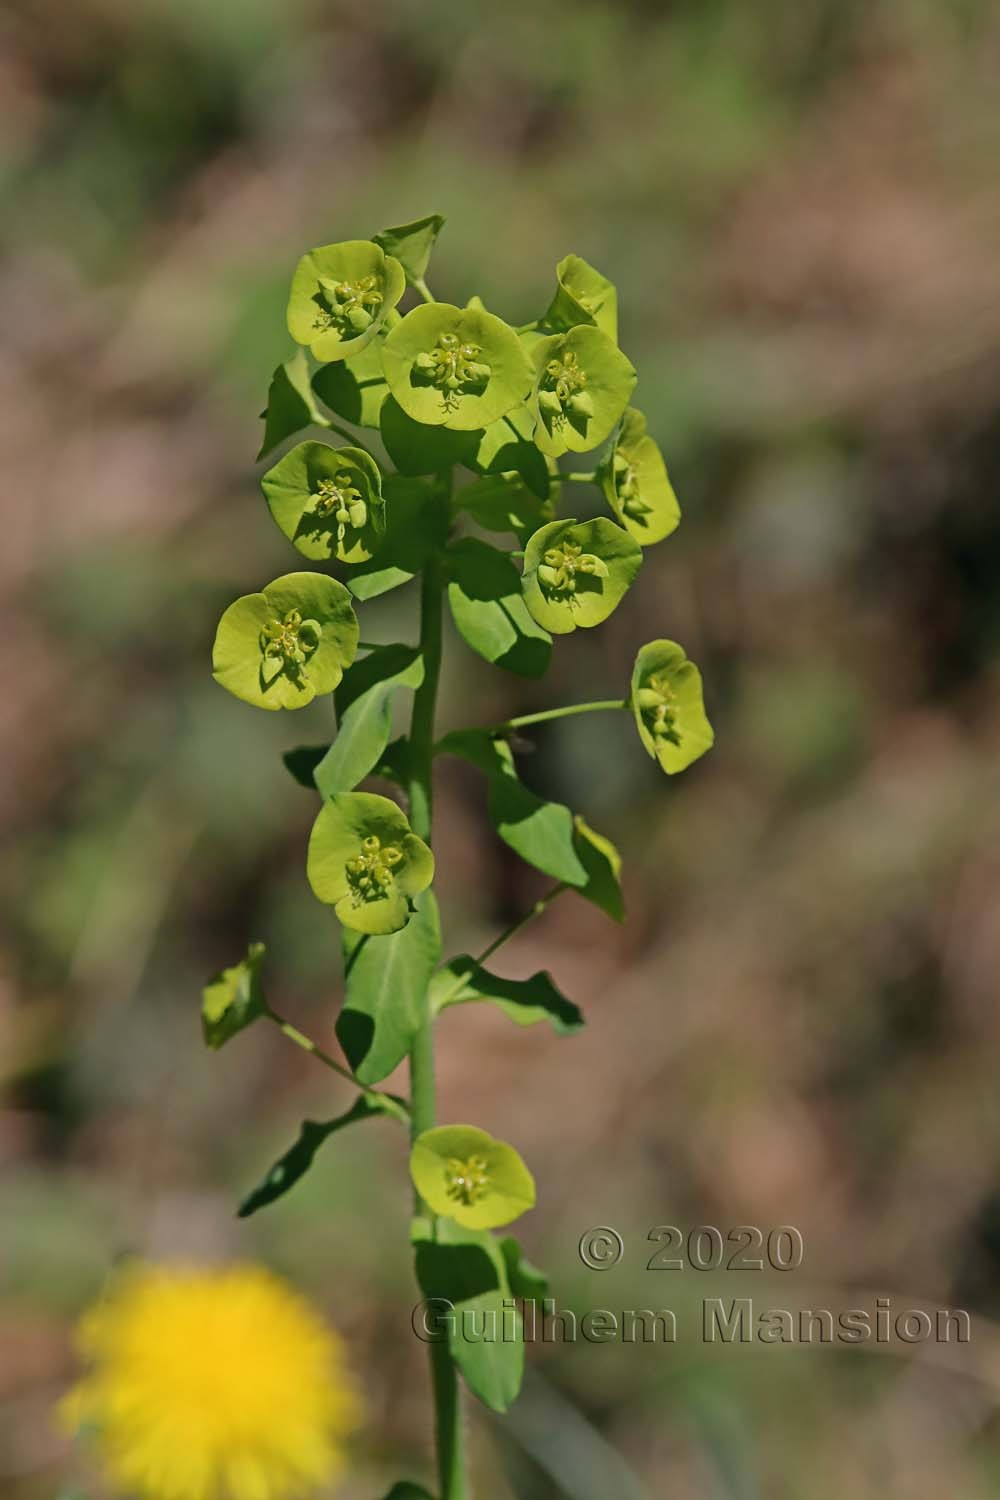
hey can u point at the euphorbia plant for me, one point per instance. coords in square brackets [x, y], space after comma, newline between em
[469, 418]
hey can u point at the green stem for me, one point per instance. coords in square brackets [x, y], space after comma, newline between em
[421, 286]
[604, 705]
[449, 1437]
[308, 1045]
[579, 477]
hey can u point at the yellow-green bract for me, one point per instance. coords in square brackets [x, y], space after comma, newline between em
[636, 485]
[283, 646]
[462, 1172]
[666, 699]
[575, 573]
[366, 862]
[341, 295]
[327, 501]
[584, 296]
[455, 367]
[582, 385]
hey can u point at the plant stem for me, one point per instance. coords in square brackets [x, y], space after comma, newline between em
[424, 290]
[444, 1379]
[579, 477]
[308, 1045]
[602, 706]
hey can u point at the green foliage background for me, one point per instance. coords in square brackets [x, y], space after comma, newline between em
[798, 1024]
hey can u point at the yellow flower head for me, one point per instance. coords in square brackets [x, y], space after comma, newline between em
[211, 1385]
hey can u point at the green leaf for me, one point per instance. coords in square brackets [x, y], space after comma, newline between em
[507, 446]
[489, 612]
[603, 864]
[283, 646]
[467, 1269]
[417, 526]
[583, 296]
[387, 979]
[327, 501]
[364, 710]
[502, 502]
[354, 388]
[417, 449]
[666, 698]
[290, 404]
[412, 244]
[341, 295]
[525, 1279]
[233, 999]
[302, 762]
[297, 1160]
[576, 573]
[456, 367]
[540, 832]
[525, 1001]
[365, 861]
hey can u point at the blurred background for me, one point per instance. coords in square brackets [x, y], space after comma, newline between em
[801, 207]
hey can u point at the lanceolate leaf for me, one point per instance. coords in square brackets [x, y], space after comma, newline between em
[364, 707]
[525, 1279]
[467, 1269]
[297, 1160]
[489, 611]
[523, 1000]
[386, 980]
[540, 832]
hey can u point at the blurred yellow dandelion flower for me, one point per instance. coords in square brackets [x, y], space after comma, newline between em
[220, 1384]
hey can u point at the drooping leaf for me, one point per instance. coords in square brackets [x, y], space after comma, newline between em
[525, 1279]
[484, 594]
[540, 832]
[297, 1160]
[233, 999]
[603, 864]
[463, 1274]
[525, 1001]
[386, 984]
[290, 404]
[364, 708]
[412, 244]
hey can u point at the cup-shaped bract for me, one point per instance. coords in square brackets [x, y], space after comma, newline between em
[666, 698]
[582, 385]
[289, 643]
[583, 295]
[327, 501]
[341, 295]
[465, 1174]
[455, 367]
[365, 861]
[636, 485]
[576, 572]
